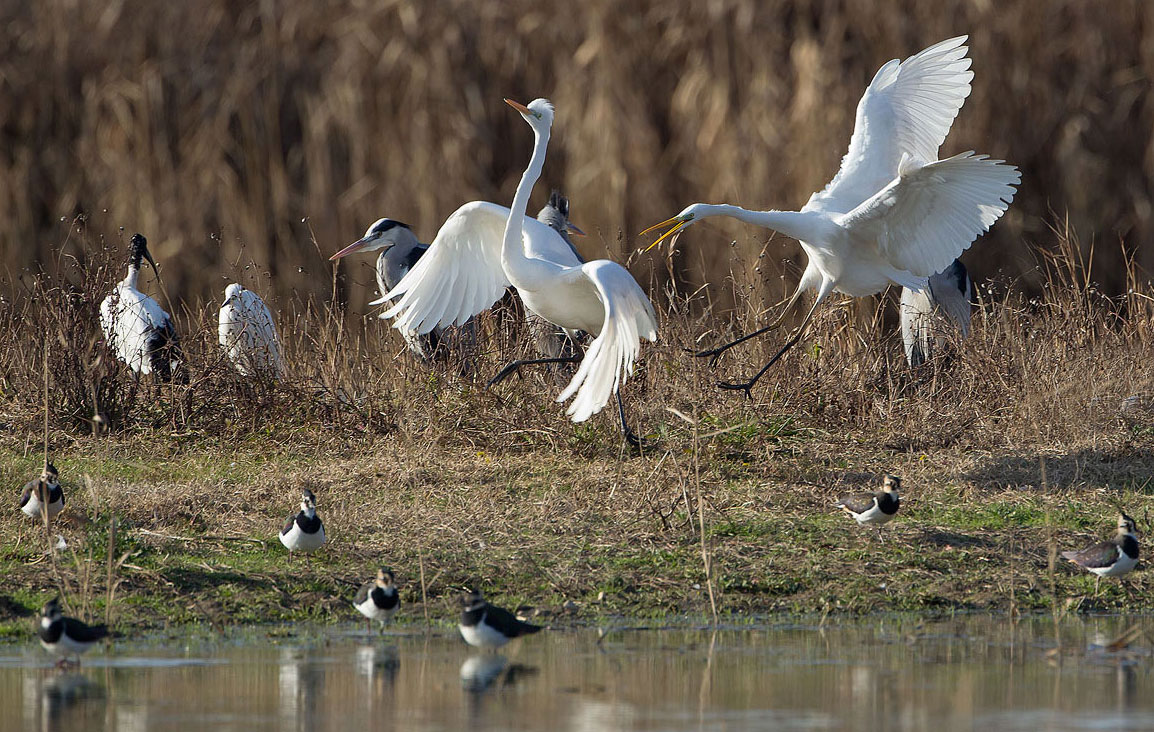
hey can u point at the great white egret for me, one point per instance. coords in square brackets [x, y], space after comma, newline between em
[248, 334]
[484, 248]
[927, 314]
[487, 626]
[1112, 558]
[304, 532]
[378, 600]
[894, 214]
[549, 340]
[136, 327]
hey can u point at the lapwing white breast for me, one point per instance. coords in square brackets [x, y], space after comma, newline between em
[66, 637]
[1112, 558]
[488, 626]
[304, 532]
[45, 490]
[874, 508]
[378, 600]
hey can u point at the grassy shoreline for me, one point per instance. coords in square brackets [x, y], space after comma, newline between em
[198, 518]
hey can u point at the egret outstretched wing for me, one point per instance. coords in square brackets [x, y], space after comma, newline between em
[461, 273]
[908, 108]
[930, 214]
[629, 317]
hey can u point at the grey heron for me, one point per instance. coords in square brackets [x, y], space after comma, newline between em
[927, 314]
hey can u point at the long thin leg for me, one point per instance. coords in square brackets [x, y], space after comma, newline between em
[747, 386]
[715, 353]
[1097, 581]
[516, 365]
[637, 443]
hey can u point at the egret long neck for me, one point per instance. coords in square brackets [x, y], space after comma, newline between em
[518, 266]
[794, 224]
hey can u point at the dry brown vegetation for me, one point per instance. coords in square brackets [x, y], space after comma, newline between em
[1020, 436]
[215, 127]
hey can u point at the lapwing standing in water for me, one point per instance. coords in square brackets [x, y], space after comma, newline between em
[488, 626]
[42, 491]
[1112, 558]
[378, 600]
[66, 637]
[874, 508]
[304, 532]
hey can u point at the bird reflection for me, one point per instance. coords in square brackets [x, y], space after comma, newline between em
[68, 701]
[379, 665]
[482, 672]
[301, 679]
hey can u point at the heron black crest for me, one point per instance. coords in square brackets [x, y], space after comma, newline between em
[385, 225]
[559, 202]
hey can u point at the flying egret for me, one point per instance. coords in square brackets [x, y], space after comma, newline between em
[549, 340]
[248, 334]
[484, 248]
[137, 328]
[926, 314]
[894, 213]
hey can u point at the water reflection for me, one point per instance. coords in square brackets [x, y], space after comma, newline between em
[882, 673]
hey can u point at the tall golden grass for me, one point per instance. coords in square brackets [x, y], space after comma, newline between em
[216, 127]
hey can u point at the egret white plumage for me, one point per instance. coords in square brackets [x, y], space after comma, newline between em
[549, 340]
[136, 327]
[894, 214]
[248, 334]
[484, 248]
[927, 315]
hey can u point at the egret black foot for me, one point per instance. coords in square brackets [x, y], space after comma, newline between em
[746, 386]
[501, 376]
[639, 444]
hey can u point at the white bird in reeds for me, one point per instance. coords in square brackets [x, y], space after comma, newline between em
[248, 335]
[484, 248]
[894, 214]
[928, 315]
[550, 340]
[137, 329]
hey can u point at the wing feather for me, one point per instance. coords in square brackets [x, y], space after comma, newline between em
[908, 108]
[629, 316]
[929, 215]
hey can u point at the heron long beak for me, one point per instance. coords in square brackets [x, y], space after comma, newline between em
[356, 246]
[679, 224]
[574, 229]
[518, 106]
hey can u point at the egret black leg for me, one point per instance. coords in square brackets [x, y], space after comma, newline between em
[637, 443]
[516, 365]
[747, 386]
[715, 353]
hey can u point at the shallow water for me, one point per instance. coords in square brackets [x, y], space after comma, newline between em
[886, 673]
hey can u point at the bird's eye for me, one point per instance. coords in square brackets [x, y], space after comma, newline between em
[537, 115]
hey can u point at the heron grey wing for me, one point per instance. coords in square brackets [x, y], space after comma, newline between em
[857, 502]
[1100, 555]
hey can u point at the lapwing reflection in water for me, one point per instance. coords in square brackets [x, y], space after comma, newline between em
[488, 671]
[379, 665]
[301, 682]
[62, 701]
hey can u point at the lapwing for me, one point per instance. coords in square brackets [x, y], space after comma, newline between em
[378, 600]
[874, 508]
[1112, 558]
[488, 626]
[48, 484]
[66, 637]
[304, 532]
